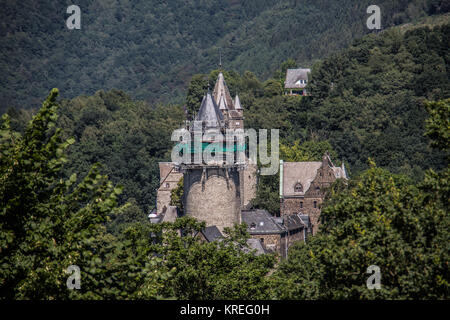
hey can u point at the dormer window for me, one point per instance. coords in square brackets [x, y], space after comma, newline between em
[253, 226]
[298, 187]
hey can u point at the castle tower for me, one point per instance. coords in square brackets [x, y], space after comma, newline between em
[212, 189]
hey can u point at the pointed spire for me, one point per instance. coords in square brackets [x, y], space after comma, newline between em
[209, 112]
[237, 103]
[343, 170]
[222, 104]
[221, 89]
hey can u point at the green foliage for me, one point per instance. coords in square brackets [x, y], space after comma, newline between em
[272, 88]
[438, 125]
[195, 92]
[307, 151]
[129, 138]
[47, 223]
[380, 220]
[215, 270]
[151, 48]
[176, 196]
[368, 100]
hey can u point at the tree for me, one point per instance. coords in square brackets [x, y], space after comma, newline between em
[222, 269]
[438, 125]
[47, 223]
[196, 90]
[380, 219]
[176, 196]
[272, 88]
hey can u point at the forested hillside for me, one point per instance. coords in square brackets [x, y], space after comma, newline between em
[78, 176]
[366, 101]
[150, 49]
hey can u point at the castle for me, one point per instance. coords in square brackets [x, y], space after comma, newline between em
[219, 192]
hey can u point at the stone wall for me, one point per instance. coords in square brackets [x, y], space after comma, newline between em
[169, 178]
[213, 196]
[249, 182]
[304, 205]
[273, 242]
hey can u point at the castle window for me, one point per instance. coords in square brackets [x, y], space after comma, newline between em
[167, 185]
[262, 240]
[298, 187]
[315, 204]
[301, 204]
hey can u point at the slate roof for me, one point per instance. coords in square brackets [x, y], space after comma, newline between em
[221, 89]
[302, 172]
[306, 221]
[209, 112]
[261, 222]
[222, 104]
[293, 76]
[255, 244]
[293, 222]
[211, 233]
[237, 103]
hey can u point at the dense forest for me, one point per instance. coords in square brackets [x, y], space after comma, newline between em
[366, 102]
[150, 49]
[78, 175]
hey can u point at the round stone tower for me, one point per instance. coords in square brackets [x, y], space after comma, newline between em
[213, 195]
[212, 186]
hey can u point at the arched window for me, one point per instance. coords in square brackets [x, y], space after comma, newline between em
[315, 204]
[298, 187]
[301, 204]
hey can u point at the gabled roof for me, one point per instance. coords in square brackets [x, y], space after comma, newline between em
[255, 244]
[305, 172]
[211, 233]
[209, 112]
[299, 172]
[293, 76]
[221, 89]
[261, 222]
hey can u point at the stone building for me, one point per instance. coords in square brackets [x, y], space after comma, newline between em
[276, 234]
[214, 192]
[219, 192]
[296, 80]
[303, 185]
[169, 178]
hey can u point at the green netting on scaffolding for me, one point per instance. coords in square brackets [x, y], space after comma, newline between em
[213, 147]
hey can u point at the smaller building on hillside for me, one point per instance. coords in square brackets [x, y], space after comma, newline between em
[296, 80]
